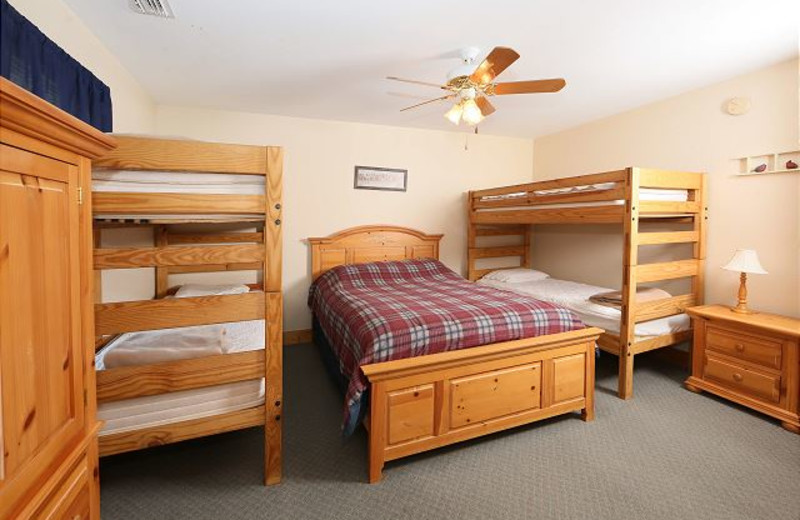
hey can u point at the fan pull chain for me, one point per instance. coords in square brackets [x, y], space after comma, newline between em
[466, 139]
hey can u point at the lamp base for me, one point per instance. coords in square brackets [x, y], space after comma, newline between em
[742, 310]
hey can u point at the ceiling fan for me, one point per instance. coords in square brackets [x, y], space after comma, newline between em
[471, 85]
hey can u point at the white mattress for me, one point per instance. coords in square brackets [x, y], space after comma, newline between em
[575, 296]
[158, 410]
[132, 181]
[645, 194]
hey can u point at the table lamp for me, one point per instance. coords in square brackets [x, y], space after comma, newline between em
[744, 261]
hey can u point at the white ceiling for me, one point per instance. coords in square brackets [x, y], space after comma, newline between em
[328, 59]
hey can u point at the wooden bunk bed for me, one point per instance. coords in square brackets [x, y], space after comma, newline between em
[258, 247]
[613, 198]
[420, 403]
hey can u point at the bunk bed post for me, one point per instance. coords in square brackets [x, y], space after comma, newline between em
[97, 239]
[629, 263]
[526, 243]
[162, 273]
[699, 225]
[273, 240]
[471, 241]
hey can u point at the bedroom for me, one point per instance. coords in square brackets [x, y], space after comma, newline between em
[301, 96]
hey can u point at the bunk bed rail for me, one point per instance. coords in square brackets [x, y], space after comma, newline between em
[583, 199]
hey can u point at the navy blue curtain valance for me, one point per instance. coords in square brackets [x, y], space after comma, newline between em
[31, 60]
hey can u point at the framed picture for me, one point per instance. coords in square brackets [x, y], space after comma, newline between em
[372, 178]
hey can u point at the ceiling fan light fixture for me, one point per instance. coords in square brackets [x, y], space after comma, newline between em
[471, 113]
[454, 114]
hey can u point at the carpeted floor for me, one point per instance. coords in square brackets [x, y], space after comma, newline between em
[667, 454]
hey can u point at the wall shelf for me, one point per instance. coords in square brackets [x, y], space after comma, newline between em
[775, 163]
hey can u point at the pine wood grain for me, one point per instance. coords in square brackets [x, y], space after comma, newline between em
[111, 203]
[160, 378]
[47, 417]
[148, 153]
[117, 318]
[180, 431]
[369, 243]
[134, 257]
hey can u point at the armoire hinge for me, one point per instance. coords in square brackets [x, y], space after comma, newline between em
[80, 195]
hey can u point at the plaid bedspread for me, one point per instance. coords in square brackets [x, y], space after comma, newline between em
[384, 311]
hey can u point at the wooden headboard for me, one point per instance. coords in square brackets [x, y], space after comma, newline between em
[370, 244]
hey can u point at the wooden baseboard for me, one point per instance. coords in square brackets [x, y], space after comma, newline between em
[295, 337]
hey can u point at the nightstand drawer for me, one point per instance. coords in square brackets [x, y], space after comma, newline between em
[759, 350]
[742, 380]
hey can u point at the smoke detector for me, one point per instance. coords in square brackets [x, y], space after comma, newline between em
[158, 8]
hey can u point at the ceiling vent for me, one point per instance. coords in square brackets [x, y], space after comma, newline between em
[158, 8]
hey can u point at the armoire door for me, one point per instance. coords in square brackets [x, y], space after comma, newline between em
[41, 374]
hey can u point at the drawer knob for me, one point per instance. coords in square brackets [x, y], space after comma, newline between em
[739, 347]
[737, 377]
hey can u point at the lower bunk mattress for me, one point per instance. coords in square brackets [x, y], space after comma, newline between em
[575, 296]
[162, 409]
[383, 311]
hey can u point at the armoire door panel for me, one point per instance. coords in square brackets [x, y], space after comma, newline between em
[41, 383]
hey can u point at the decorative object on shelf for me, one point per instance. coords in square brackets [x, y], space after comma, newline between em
[769, 163]
[738, 106]
[744, 261]
[385, 179]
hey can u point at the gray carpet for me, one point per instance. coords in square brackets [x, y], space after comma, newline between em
[667, 454]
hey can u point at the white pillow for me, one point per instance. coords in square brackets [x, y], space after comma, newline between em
[198, 289]
[516, 275]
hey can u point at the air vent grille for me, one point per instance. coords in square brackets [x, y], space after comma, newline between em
[152, 7]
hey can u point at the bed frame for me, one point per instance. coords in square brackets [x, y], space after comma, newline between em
[514, 217]
[176, 252]
[421, 403]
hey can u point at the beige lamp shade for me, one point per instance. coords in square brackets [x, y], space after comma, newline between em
[745, 261]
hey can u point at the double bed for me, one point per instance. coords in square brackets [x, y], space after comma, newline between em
[445, 360]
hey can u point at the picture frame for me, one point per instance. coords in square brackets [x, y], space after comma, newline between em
[382, 179]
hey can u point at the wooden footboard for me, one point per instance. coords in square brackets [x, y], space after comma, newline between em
[422, 403]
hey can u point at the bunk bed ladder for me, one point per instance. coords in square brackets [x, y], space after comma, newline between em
[634, 273]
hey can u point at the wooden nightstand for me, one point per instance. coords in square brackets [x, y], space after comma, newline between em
[751, 359]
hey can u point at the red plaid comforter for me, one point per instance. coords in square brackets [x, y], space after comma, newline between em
[383, 311]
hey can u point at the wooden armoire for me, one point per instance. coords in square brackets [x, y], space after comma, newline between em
[48, 426]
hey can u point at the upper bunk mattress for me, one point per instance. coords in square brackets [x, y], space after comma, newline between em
[185, 183]
[645, 194]
[383, 311]
[575, 296]
[135, 181]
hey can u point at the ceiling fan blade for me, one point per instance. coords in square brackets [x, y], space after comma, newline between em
[395, 78]
[529, 87]
[427, 102]
[496, 62]
[485, 106]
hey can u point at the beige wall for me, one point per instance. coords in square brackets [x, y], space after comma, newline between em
[318, 181]
[133, 108]
[692, 132]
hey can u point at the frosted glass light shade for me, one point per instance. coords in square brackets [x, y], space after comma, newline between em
[745, 261]
[454, 114]
[472, 113]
